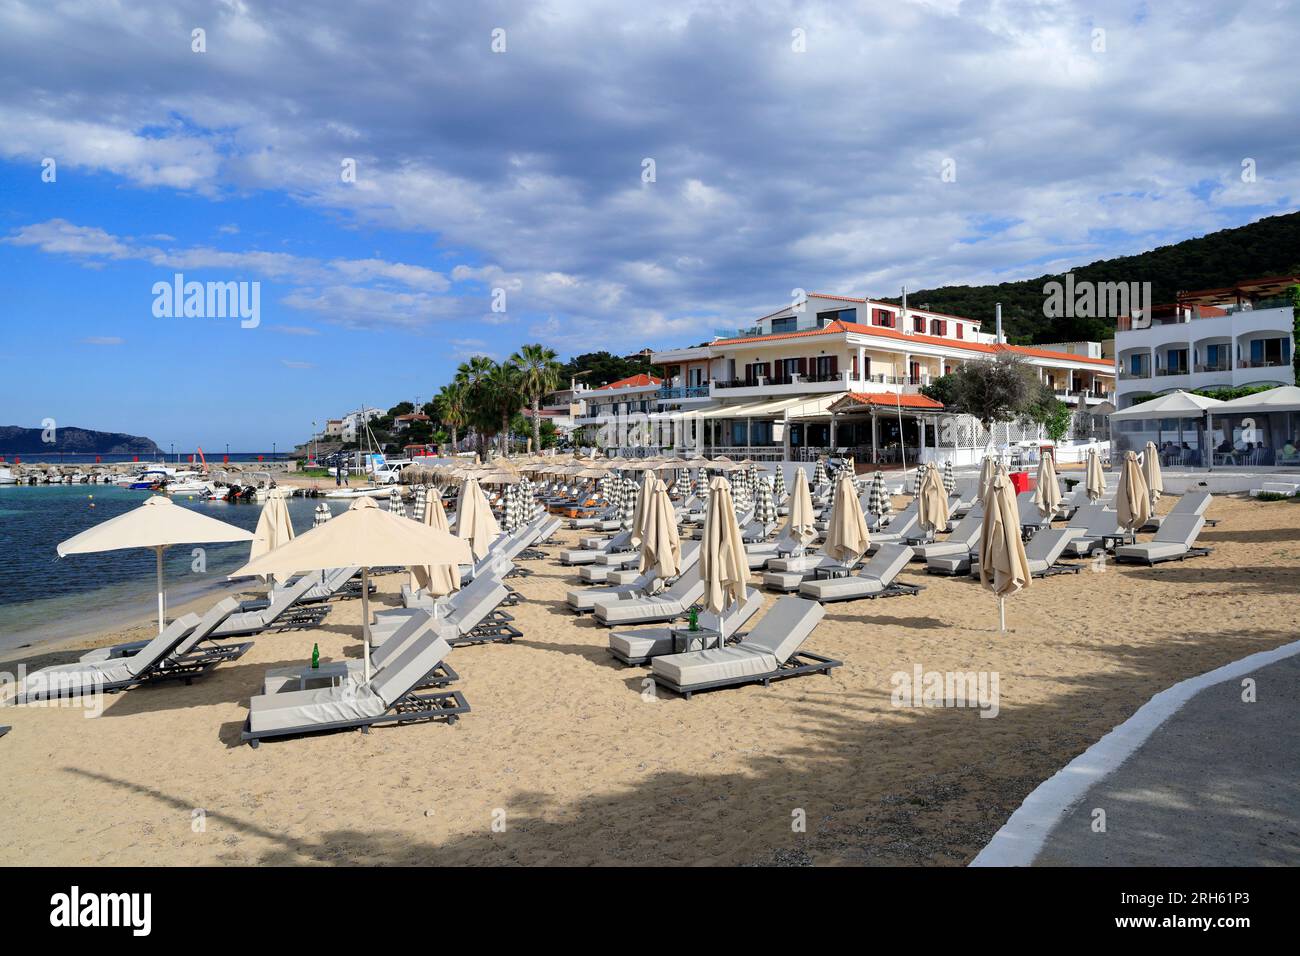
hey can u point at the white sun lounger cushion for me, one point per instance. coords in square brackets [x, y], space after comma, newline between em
[654, 641]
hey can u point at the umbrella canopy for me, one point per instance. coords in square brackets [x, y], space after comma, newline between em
[436, 579]
[1047, 494]
[988, 468]
[765, 507]
[648, 482]
[157, 524]
[949, 479]
[627, 503]
[368, 536]
[921, 472]
[1095, 481]
[878, 502]
[724, 567]
[931, 500]
[1003, 567]
[799, 524]
[421, 499]
[778, 484]
[274, 527]
[661, 545]
[1151, 473]
[474, 520]
[1132, 499]
[819, 472]
[847, 536]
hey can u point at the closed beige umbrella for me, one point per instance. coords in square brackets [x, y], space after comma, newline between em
[474, 520]
[932, 502]
[274, 528]
[847, 537]
[661, 544]
[1096, 481]
[367, 536]
[988, 468]
[1151, 473]
[724, 567]
[1047, 495]
[800, 523]
[436, 579]
[1003, 567]
[643, 497]
[157, 524]
[1132, 499]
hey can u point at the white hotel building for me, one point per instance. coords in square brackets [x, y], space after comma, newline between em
[837, 373]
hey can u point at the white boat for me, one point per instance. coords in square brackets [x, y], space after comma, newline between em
[7, 477]
[357, 493]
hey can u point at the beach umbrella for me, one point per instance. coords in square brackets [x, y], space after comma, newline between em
[421, 499]
[157, 524]
[1004, 569]
[931, 501]
[398, 507]
[321, 515]
[847, 537]
[799, 522]
[1096, 481]
[701, 487]
[778, 484]
[682, 486]
[436, 579]
[474, 520]
[367, 536]
[394, 498]
[1132, 499]
[819, 473]
[647, 490]
[878, 502]
[765, 507]
[949, 479]
[724, 567]
[988, 468]
[509, 511]
[661, 544]
[1047, 494]
[1151, 473]
[921, 472]
[274, 527]
[627, 503]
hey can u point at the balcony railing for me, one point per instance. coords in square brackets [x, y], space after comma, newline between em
[1266, 363]
[1216, 367]
[669, 392]
[1176, 370]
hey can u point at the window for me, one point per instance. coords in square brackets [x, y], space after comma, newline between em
[843, 315]
[938, 327]
[961, 330]
[826, 368]
[787, 324]
[883, 318]
[1269, 352]
[918, 323]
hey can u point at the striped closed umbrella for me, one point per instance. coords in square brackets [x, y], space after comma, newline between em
[701, 484]
[627, 502]
[394, 496]
[949, 479]
[921, 471]
[778, 485]
[819, 473]
[421, 500]
[765, 506]
[322, 515]
[878, 502]
[682, 486]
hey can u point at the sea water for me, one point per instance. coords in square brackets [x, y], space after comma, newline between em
[45, 597]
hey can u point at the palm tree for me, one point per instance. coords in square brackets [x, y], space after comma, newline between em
[503, 399]
[539, 373]
[450, 405]
[481, 412]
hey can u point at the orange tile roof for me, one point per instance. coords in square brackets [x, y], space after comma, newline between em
[640, 379]
[892, 400]
[840, 327]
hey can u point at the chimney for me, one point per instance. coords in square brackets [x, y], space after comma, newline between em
[997, 322]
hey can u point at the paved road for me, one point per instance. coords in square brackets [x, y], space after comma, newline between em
[1218, 784]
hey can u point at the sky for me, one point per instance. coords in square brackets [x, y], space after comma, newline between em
[591, 175]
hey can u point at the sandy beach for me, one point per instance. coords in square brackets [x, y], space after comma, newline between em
[562, 760]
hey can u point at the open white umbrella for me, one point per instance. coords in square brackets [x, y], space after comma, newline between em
[474, 520]
[724, 568]
[157, 524]
[1004, 569]
[1151, 473]
[274, 526]
[1047, 493]
[1132, 499]
[846, 536]
[1095, 480]
[661, 544]
[367, 536]
[800, 521]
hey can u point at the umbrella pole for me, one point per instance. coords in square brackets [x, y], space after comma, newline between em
[365, 617]
[162, 594]
[1002, 613]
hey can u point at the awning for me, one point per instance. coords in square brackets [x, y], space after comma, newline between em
[1174, 405]
[1284, 398]
[813, 408]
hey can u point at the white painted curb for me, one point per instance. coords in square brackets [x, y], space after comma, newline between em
[1021, 838]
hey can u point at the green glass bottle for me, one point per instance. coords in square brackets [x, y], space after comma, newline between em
[315, 656]
[695, 619]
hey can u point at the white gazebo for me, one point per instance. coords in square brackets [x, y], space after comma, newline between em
[1178, 424]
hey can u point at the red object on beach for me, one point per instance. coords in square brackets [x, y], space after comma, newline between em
[135, 457]
[225, 459]
[97, 459]
[259, 457]
[1020, 481]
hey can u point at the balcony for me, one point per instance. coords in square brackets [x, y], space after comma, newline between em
[1216, 367]
[676, 393]
[1266, 363]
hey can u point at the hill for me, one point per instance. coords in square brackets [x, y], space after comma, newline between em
[16, 440]
[1268, 247]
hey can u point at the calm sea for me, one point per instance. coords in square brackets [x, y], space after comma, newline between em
[65, 458]
[43, 596]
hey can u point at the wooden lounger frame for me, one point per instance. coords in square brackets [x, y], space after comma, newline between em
[799, 664]
[496, 628]
[192, 666]
[410, 708]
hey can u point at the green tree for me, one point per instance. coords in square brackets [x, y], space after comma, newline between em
[450, 404]
[481, 414]
[539, 373]
[994, 390]
[503, 399]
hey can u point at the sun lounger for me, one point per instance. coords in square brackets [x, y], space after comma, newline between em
[771, 651]
[1097, 522]
[174, 654]
[607, 564]
[1173, 542]
[964, 538]
[898, 531]
[876, 579]
[786, 574]
[283, 613]
[1042, 552]
[582, 600]
[640, 645]
[1028, 514]
[761, 553]
[619, 542]
[475, 610]
[1192, 503]
[329, 584]
[669, 604]
[389, 698]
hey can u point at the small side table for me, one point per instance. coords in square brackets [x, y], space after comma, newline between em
[829, 573]
[1109, 541]
[684, 639]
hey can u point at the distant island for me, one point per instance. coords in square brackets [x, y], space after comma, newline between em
[16, 440]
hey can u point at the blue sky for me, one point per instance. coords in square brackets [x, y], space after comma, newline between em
[797, 144]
